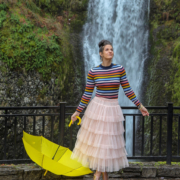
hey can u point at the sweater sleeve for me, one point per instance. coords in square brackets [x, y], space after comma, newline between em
[88, 92]
[126, 87]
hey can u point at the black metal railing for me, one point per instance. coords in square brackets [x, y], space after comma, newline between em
[59, 118]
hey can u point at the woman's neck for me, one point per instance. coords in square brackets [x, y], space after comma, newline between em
[106, 62]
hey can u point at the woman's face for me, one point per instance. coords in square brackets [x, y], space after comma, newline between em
[107, 52]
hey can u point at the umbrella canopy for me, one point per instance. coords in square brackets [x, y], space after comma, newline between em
[42, 152]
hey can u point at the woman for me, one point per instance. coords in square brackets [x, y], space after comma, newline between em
[100, 142]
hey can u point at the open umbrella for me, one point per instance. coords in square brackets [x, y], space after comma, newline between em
[52, 157]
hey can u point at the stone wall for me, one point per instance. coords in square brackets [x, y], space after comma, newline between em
[148, 170]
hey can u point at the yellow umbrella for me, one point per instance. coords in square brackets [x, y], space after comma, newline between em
[52, 157]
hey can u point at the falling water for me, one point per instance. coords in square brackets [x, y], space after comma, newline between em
[124, 23]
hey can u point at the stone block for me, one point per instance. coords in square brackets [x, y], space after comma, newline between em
[10, 173]
[71, 177]
[132, 169]
[168, 172]
[50, 176]
[114, 175]
[130, 174]
[149, 172]
[34, 174]
[12, 177]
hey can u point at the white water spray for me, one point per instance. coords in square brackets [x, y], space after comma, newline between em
[124, 23]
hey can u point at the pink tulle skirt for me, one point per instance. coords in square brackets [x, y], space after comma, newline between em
[100, 142]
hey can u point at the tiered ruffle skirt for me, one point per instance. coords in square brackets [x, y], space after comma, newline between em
[100, 142]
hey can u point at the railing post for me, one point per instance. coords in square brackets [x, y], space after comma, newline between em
[169, 132]
[61, 122]
[5, 135]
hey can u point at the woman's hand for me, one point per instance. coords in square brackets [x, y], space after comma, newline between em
[73, 117]
[144, 111]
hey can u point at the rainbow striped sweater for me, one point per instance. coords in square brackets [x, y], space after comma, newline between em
[107, 80]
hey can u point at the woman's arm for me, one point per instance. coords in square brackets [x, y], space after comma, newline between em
[87, 93]
[86, 96]
[130, 93]
[127, 88]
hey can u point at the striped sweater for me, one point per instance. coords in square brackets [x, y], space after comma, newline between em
[107, 80]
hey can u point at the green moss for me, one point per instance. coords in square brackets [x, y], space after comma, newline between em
[163, 69]
[8, 91]
[139, 163]
[19, 82]
[24, 45]
[36, 35]
[3, 69]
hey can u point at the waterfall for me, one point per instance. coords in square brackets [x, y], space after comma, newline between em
[125, 24]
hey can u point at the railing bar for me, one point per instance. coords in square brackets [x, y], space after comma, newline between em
[124, 123]
[62, 122]
[160, 134]
[24, 152]
[34, 125]
[169, 132]
[24, 123]
[176, 107]
[70, 134]
[57, 107]
[142, 147]
[13, 115]
[152, 114]
[151, 135]
[52, 125]
[147, 107]
[15, 161]
[43, 125]
[5, 135]
[178, 134]
[67, 107]
[59, 128]
[131, 114]
[176, 115]
[134, 135]
[15, 136]
[29, 107]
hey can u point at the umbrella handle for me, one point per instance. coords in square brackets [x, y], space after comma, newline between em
[45, 173]
[77, 123]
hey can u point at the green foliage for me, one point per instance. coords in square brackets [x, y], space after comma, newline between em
[55, 6]
[173, 85]
[20, 82]
[35, 35]
[164, 71]
[43, 92]
[24, 45]
[3, 7]
[2, 14]
[77, 23]
[31, 5]
[176, 51]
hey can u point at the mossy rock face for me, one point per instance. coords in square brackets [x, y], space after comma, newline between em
[163, 70]
[40, 61]
[37, 50]
[164, 41]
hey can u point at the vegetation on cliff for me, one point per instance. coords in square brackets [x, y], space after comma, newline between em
[165, 55]
[163, 70]
[36, 35]
[40, 62]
